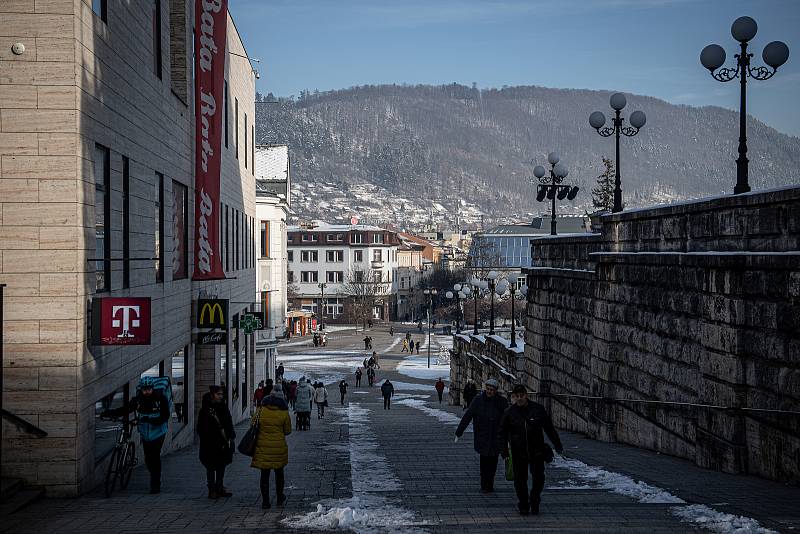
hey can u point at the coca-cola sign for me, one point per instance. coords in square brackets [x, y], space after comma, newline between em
[121, 321]
[211, 22]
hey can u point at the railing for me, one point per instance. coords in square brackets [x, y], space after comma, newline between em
[22, 424]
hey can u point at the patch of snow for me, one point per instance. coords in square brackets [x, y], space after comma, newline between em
[441, 415]
[411, 386]
[417, 367]
[704, 517]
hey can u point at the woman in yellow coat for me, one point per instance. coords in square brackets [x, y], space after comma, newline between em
[272, 453]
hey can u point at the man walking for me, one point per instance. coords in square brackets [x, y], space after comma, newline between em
[522, 429]
[387, 390]
[485, 412]
[358, 377]
[439, 388]
[342, 391]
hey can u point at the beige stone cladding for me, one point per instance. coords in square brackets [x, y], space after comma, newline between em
[86, 86]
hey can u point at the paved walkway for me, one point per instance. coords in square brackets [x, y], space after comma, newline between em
[366, 469]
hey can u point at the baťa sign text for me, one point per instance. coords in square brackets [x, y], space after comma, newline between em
[121, 321]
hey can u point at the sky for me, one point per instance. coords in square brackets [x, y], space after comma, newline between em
[648, 47]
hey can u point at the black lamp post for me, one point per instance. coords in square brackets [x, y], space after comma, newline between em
[637, 120]
[457, 294]
[515, 288]
[491, 283]
[475, 290]
[430, 293]
[712, 57]
[552, 187]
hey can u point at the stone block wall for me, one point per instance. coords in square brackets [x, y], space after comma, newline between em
[479, 358]
[685, 320]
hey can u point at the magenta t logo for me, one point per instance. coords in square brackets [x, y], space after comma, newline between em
[127, 321]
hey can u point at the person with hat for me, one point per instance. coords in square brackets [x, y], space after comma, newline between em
[485, 413]
[215, 430]
[522, 430]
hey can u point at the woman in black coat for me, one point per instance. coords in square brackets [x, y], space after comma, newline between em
[215, 429]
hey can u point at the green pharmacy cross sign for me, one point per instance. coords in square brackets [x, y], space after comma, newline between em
[250, 322]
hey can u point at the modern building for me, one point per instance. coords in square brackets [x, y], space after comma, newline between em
[326, 260]
[507, 248]
[414, 261]
[97, 233]
[273, 200]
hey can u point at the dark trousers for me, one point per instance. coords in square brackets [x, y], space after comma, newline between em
[387, 403]
[521, 467]
[215, 477]
[358, 381]
[152, 459]
[488, 471]
[320, 409]
[264, 483]
[342, 400]
[440, 393]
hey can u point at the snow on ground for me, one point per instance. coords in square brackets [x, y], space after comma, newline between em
[710, 519]
[417, 367]
[369, 510]
[441, 415]
[394, 343]
[412, 386]
[698, 514]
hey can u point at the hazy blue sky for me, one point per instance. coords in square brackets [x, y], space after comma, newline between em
[649, 47]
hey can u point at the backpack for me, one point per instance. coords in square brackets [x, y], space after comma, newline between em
[163, 385]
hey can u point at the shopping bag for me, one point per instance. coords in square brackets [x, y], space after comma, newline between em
[247, 445]
[509, 467]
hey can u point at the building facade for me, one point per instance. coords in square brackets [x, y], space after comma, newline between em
[273, 197]
[326, 259]
[97, 199]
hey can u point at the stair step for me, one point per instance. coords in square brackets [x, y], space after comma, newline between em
[20, 500]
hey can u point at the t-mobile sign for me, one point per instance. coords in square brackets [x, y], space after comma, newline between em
[121, 321]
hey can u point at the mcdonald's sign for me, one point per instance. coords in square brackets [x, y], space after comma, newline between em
[212, 313]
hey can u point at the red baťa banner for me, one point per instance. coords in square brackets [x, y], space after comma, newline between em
[211, 23]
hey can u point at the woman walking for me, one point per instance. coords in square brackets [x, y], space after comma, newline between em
[321, 400]
[215, 429]
[272, 453]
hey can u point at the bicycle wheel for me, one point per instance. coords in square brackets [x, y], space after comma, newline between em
[112, 472]
[127, 463]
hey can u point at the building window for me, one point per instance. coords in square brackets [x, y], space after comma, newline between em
[253, 242]
[177, 50]
[126, 222]
[265, 240]
[253, 150]
[180, 237]
[224, 235]
[225, 123]
[335, 256]
[158, 219]
[356, 239]
[358, 255]
[290, 276]
[157, 38]
[100, 8]
[334, 277]
[290, 255]
[377, 239]
[236, 238]
[521, 281]
[224, 368]
[336, 237]
[377, 255]
[309, 277]
[245, 357]
[236, 125]
[334, 307]
[265, 309]
[309, 238]
[102, 215]
[308, 256]
[358, 276]
[245, 140]
[180, 366]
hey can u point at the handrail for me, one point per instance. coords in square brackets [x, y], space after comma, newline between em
[22, 424]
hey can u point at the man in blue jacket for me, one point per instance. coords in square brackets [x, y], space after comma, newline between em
[485, 412]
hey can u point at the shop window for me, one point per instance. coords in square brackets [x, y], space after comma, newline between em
[102, 216]
[180, 366]
[235, 367]
[158, 220]
[105, 432]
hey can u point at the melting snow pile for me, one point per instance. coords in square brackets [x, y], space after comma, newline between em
[357, 514]
[441, 415]
[715, 521]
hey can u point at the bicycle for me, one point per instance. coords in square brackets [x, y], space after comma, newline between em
[122, 461]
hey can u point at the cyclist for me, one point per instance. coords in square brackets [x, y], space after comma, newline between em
[152, 411]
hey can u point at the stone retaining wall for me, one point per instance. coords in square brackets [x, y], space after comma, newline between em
[479, 358]
[693, 335]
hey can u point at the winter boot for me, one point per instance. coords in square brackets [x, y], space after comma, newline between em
[222, 491]
[280, 500]
[265, 505]
[212, 493]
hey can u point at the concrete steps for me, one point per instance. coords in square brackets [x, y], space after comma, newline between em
[14, 496]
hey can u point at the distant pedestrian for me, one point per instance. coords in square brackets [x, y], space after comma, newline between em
[439, 385]
[391, 330]
[342, 391]
[387, 390]
[370, 376]
[366, 342]
[279, 372]
[376, 359]
[485, 413]
[358, 377]
[470, 391]
[418, 344]
[268, 385]
[324, 339]
[369, 322]
[405, 346]
[258, 394]
[302, 405]
[411, 346]
[321, 400]
[292, 392]
[272, 453]
[408, 336]
[522, 430]
[215, 430]
[316, 339]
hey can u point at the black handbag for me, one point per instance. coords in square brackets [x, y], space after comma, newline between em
[247, 445]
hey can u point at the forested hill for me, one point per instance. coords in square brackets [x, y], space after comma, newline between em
[443, 143]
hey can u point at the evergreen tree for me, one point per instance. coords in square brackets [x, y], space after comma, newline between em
[603, 194]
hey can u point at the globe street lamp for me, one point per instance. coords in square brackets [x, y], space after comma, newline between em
[430, 293]
[513, 289]
[473, 288]
[456, 293]
[637, 120]
[553, 189]
[712, 57]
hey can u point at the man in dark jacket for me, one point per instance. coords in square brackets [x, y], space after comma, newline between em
[342, 391]
[215, 429]
[485, 412]
[522, 429]
[152, 411]
[387, 390]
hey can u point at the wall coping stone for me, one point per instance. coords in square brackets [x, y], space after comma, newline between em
[755, 260]
[560, 272]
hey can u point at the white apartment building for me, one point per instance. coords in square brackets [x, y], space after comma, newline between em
[323, 257]
[273, 200]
